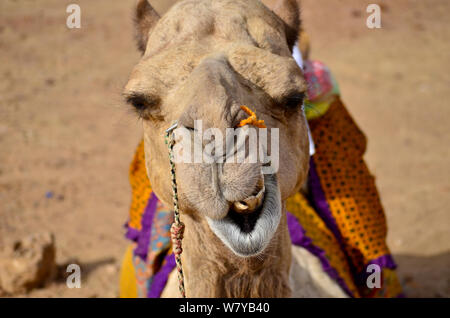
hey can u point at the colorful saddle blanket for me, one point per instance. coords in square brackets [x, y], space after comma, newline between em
[341, 220]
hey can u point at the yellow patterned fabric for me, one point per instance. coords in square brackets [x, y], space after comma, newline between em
[348, 186]
[345, 196]
[140, 188]
[128, 287]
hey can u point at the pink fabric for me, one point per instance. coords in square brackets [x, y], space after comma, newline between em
[319, 79]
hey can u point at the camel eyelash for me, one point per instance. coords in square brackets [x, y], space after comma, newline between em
[142, 104]
[294, 100]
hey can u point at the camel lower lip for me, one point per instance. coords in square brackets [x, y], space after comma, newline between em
[251, 240]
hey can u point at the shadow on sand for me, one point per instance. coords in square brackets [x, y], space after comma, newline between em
[423, 276]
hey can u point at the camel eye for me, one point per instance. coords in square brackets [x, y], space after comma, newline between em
[142, 105]
[295, 100]
[138, 102]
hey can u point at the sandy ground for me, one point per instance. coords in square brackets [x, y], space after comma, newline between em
[65, 133]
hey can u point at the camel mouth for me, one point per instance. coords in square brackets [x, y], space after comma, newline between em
[245, 221]
[248, 235]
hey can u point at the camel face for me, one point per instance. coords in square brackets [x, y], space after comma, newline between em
[202, 61]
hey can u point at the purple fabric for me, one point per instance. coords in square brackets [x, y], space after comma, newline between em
[320, 202]
[132, 233]
[146, 231]
[299, 238]
[384, 261]
[161, 277]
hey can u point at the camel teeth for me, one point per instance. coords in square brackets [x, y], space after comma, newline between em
[239, 207]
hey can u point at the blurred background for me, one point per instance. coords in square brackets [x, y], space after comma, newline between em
[66, 137]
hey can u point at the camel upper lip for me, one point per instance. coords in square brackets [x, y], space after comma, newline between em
[249, 234]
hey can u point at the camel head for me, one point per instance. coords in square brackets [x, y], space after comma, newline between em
[202, 60]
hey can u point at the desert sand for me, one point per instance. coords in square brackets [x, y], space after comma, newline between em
[67, 138]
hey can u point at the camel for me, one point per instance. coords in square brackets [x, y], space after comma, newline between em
[202, 60]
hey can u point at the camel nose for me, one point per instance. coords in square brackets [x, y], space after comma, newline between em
[252, 203]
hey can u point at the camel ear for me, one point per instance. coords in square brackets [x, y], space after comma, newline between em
[289, 12]
[145, 19]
